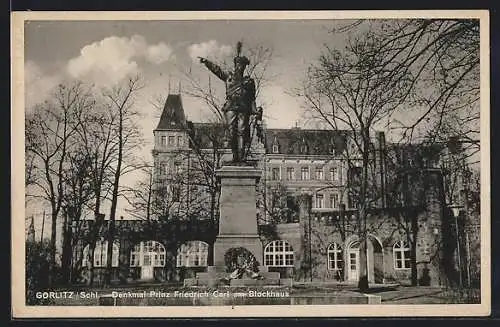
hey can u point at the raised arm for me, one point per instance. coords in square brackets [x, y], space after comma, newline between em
[214, 69]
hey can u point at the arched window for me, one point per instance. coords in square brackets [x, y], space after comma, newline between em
[192, 254]
[335, 257]
[402, 255]
[278, 253]
[101, 254]
[149, 253]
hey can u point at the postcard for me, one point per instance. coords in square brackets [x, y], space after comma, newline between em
[250, 164]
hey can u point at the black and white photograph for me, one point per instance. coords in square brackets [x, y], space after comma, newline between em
[250, 164]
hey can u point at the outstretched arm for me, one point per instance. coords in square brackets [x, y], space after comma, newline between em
[214, 69]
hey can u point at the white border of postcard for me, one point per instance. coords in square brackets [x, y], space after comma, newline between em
[21, 310]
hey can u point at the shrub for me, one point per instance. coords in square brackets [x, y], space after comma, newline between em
[37, 270]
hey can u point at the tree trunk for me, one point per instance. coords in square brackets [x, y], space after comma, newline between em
[94, 234]
[52, 261]
[67, 251]
[363, 264]
[114, 201]
[413, 249]
[363, 257]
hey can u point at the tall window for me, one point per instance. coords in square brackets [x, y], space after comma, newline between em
[163, 169]
[163, 140]
[148, 253]
[334, 200]
[334, 174]
[290, 173]
[179, 140]
[335, 258]
[178, 168]
[101, 254]
[319, 173]
[304, 173]
[192, 254]
[171, 140]
[278, 253]
[402, 255]
[276, 174]
[320, 202]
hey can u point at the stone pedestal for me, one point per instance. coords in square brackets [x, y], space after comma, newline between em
[237, 228]
[238, 212]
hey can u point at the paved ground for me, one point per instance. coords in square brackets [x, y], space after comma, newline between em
[427, 295]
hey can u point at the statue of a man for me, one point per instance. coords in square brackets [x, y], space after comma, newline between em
[239, 105]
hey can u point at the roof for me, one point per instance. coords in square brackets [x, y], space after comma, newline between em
[317, 142]
[203, 134]
[306, 141]
[172, 117]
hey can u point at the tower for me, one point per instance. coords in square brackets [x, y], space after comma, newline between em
[170, 150]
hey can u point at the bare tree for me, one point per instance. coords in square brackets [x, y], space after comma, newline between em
[77, 197]
[49, 134]
[441, 57]
[355, 89]
[120, 100]
[277, 203]
[142, 196]
[96, 135]
[388, 68]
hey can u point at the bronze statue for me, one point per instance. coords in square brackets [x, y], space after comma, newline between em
[240, 105]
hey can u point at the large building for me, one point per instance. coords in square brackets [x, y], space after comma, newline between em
[307, 208]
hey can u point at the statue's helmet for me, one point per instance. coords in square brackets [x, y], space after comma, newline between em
[241, 60]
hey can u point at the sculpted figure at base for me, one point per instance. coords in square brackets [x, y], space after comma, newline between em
[240, 108]
[247, 268]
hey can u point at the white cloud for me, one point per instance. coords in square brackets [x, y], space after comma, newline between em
[210, 50]
[110, 60]
[37, 85]
[159, 53]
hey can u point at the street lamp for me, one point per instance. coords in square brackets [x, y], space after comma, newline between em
[456, 209]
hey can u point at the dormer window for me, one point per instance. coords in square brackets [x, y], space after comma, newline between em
[303, 147]
[275, 146]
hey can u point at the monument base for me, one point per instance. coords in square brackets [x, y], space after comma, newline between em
[217, 276]
[224, 243]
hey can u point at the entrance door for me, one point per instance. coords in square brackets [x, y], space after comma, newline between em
[147, 267]
[353, 264]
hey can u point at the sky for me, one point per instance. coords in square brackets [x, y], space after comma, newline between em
[105, 52]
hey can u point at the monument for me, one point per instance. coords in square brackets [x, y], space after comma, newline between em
[238, 179]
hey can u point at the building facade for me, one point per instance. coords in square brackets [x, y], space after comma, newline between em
[307, 209]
